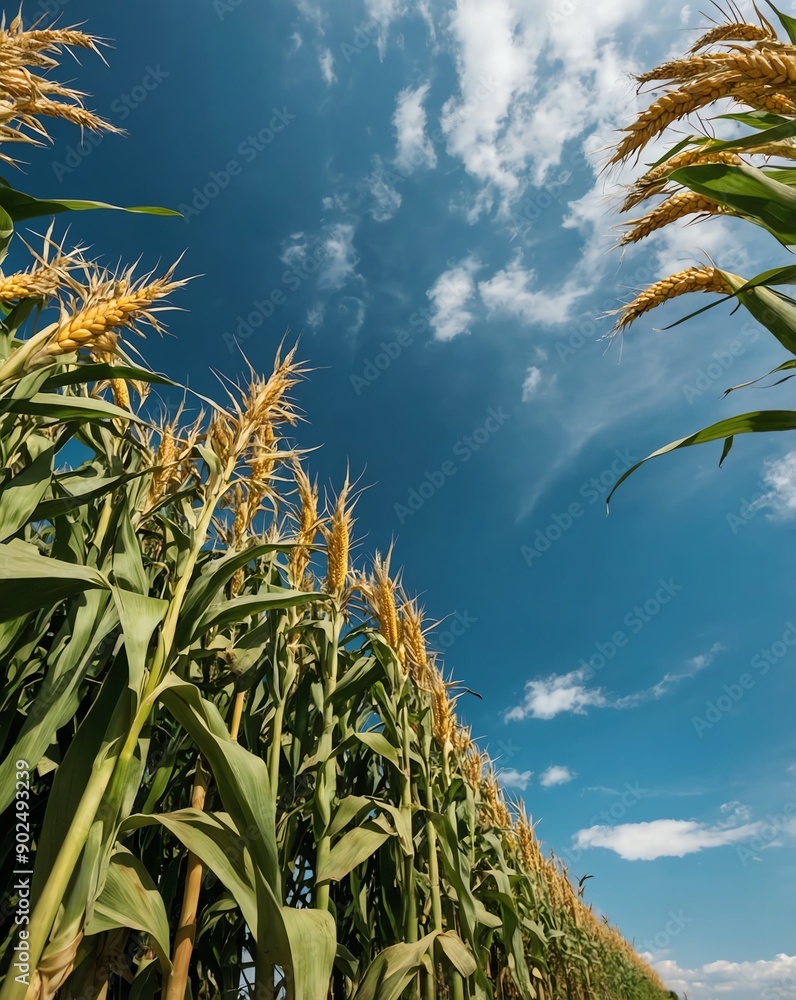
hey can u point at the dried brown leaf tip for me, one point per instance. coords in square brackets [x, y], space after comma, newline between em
[691, 279]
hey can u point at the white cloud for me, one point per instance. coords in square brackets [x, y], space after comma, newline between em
[386, 200]
[663, 838]
[768, 979]
[339, 256]
[510, 777]
[510, 112]
[508, 292]
[451, 296]
[413, 147]
[557, 774]
[531, 383]
[326, 62]
[780, 478]
[548, 697]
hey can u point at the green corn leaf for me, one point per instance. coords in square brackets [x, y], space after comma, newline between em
[84, 373]
[76, 489]
[775, 311]
[225, 613]
[782, 128]
[58, 698]
[394, 968]
[20, 206]
[756, 422]
[130, 898]
[785, 366]
[29, 580]
[351, 850]
[21, 494]
[215, 574]
[788, 23]
[312, 937]
[140, 615]
[214, 840]
[241, 777]
[748, 192]
[456, 952]
[6, 232]
[46, 404]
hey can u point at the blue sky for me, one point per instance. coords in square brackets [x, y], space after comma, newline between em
[415, 189]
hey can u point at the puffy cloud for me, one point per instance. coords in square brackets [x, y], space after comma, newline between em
[557, 774]
[663, 838]
[510, 777]
[768, 979]
[509, 292]
[547, 697]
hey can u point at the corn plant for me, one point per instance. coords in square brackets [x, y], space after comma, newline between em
[232, 753]
[702, 176]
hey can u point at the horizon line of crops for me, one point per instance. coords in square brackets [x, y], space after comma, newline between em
[246, 768]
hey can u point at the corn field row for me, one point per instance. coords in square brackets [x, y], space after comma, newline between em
[230, 756]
